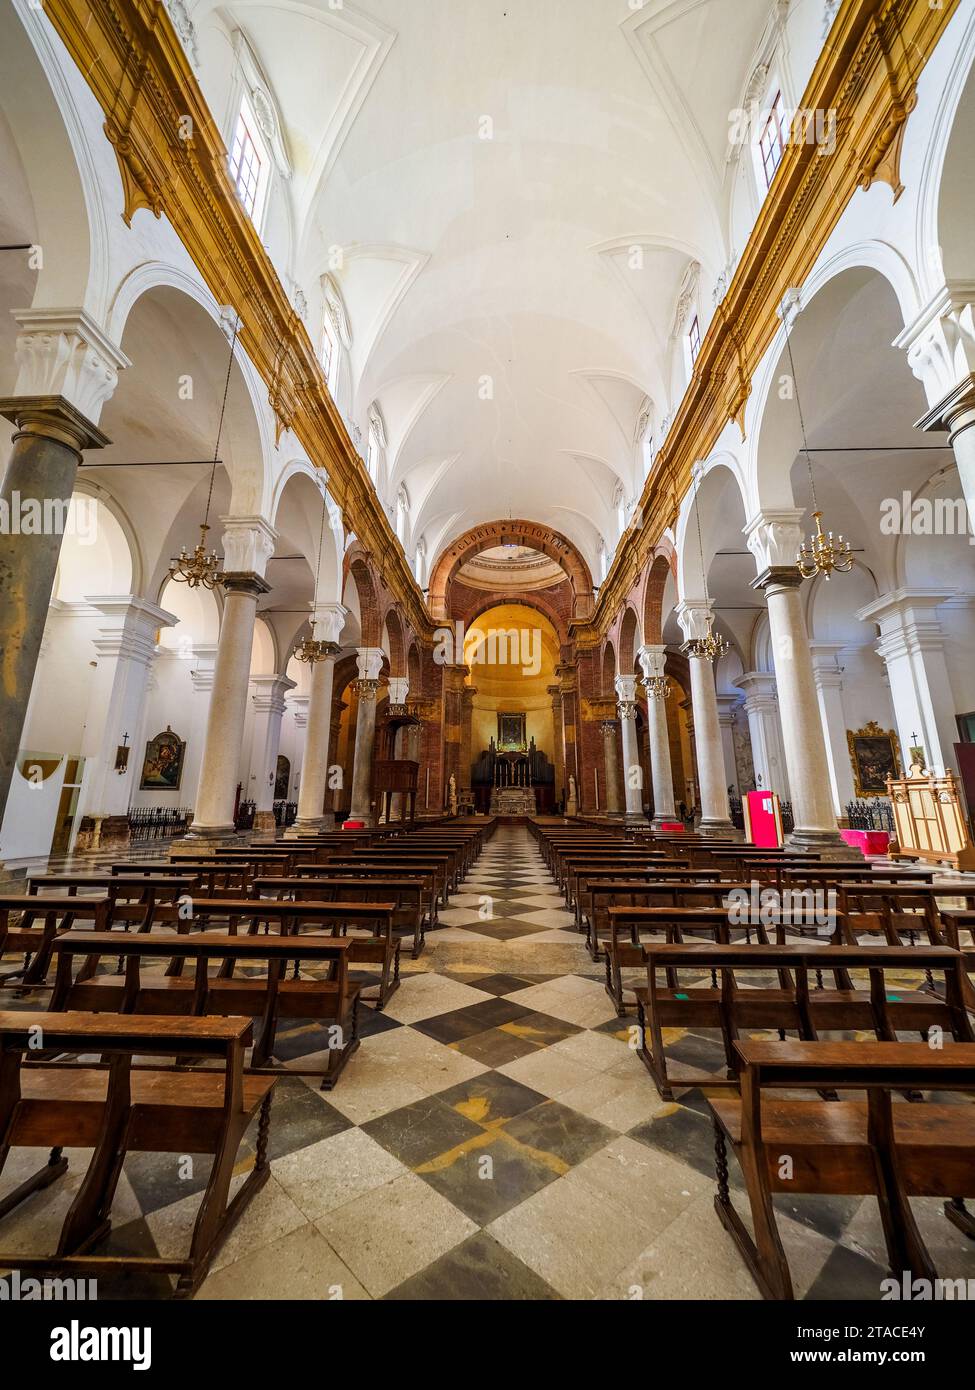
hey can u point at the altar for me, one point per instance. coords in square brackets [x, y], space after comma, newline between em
[513, 777]
[513, 801]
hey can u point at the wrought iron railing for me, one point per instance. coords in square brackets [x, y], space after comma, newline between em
[158, 822]
[870, 815]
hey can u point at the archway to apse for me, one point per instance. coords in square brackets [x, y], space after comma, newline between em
[493, 534]
[511, 651]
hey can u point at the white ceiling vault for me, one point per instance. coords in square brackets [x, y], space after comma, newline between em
[510, 196]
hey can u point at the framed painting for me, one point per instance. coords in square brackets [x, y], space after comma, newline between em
[511, 733]
[874, 756]
[162, 768]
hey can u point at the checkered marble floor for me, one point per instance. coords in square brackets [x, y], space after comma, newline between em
[494, 1137]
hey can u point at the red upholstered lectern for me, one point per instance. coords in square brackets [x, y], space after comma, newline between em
[763, 819]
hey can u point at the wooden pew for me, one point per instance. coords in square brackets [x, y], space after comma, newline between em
[878, 1148]
[58, 913]
[394, 864]
[588, 879]
[793, 1006]
[272, 997]
[608, 894]
[408, 894]
[428, 879]
[118, 1109]
[380, 947]
[212, 875]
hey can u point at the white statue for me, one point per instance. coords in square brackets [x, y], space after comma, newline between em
[572, 807]
[452, 794]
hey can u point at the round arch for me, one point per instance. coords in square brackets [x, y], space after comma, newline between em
[629, 641]
[528, 533]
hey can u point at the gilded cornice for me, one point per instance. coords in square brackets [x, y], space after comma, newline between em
[867, 73]
[173, 161]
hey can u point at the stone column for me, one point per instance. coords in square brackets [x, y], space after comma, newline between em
[569, 686]
[399, 690]
[466, 736]
[453, 701]
[298, 705]
[762, 712]
[632, 769]
[126, 647]
[774, 539]
[609, 728]
[312, 815]
[248, 546]
[554, 693]
[728, 706]
[66, 370]
[268, 701]
[912, 646]
[828, 675]
[369, 661]
[715, 812]
[652, 662]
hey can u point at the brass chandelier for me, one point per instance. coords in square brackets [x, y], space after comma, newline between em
[823, 553]
[310, 650]
[202, 568]
[711, 647]
[657, 687]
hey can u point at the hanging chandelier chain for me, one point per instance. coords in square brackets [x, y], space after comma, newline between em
[802, 421]
[223, 410]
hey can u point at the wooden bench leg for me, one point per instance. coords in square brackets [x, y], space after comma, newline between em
[765, 1259]
[653, 1057]
[959, 1215]
[89, 1216]
[339, 1056]
[215, 1216]
[905, 1247]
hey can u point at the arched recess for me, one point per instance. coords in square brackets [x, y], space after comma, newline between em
[359, 576]
[393, 644]
[661, 570]
[716, 503]
[947, 197]
[528, 533]
[609, 670]
[99, 554]
[50, 136]
[178, 339]
[629, 642]
[296, 512]
[414, 669]
[536, 600]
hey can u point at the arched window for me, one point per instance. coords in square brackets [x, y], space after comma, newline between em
[330, 349]
[250, 163]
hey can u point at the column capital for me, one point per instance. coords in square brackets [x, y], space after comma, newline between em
[369, 662]
[940, 347]
[63, 353]
[269, 692]
[399, 689]
[760, 689]
[131, 627]
[626, 696]
[694, 616]
[299, 704]
[328, 620]
[54, 418]
[204, 659]
[728, 706]
[248, 544]
[652, 659]
[774, 536]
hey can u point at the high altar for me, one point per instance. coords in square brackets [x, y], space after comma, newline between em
[512, 776]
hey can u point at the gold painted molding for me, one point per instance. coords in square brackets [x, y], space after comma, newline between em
[867, 73]
[173, 161]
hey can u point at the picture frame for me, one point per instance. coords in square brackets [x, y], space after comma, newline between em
[512, 737]
[162, 767]
[874, 757]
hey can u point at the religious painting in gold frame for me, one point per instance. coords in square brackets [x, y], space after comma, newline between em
[162, 768]
[512, 733]
[874, 757]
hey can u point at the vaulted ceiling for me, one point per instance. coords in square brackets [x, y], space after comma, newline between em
[518, 189]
